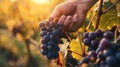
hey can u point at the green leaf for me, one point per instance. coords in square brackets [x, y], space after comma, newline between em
[108, 19]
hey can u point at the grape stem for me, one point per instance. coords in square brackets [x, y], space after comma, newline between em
[85, 27]
[82, 49]
[75, 52]
[115, 34]
[110, 6]
[88, 26]
[118, 38]
[68, 37]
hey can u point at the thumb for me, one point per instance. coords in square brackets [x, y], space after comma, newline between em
[56, 12]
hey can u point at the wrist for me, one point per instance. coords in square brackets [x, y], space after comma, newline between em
[86, 3]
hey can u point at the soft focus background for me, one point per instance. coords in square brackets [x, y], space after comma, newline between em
[19, 31]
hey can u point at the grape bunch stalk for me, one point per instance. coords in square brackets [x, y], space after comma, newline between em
[103, 50]
[51, 36]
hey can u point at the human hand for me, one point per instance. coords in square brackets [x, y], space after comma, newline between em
[72, 13]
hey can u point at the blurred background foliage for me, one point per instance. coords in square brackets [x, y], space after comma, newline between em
[19, 31]
[19, 21]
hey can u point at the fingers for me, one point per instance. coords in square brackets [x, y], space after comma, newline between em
[62, 19]
[81, 18]
[73, 23]
[67, 22]
[56, 13]
[50, 19]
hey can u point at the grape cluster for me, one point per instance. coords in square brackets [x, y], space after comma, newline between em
[92, 39]
[51, 36]
[102, 50]
[70, 61]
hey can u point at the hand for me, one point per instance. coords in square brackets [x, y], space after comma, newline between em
[72, 13]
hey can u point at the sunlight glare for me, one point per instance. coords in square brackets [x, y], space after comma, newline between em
[41, 1]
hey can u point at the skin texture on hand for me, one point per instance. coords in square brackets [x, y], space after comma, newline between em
[72, 13]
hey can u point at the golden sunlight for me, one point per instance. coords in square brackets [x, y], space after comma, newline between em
[41, 1]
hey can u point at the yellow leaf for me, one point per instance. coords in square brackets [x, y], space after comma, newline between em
[75, 46]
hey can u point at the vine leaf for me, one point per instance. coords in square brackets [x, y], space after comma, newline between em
[108, 19]
[75, 46]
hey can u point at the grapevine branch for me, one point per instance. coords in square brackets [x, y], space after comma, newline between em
[99, 14]
[111, 6]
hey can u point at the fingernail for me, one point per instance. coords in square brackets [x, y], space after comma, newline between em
[75, 15]
[50, 19]
[69, 17]
[62, 18]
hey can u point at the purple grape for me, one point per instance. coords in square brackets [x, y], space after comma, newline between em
[100, 55]
[108, 35]
[47, 23]
[99, 50]
[51, 43]
[60, 25]
[107, 52]
[85, 35]
[52, 37]
[110, 60]
[49, 33]
[42, 33]
[56, 32]
[46, 37]
[41, 24]
[43, 28]
[85, 59]
[49, 47]
[92, 35]
[52, 24]
[44, 46]
[50, 55]
[49, 29]
[94, 44]
[118, 56]
[70, 61]
[44, 40]
[56, 55]
[56, 48]
[44, 52]
[104, 43]
[99, 33]
[92, 53]
[87, 41]
[103, 64]
[90, 48]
